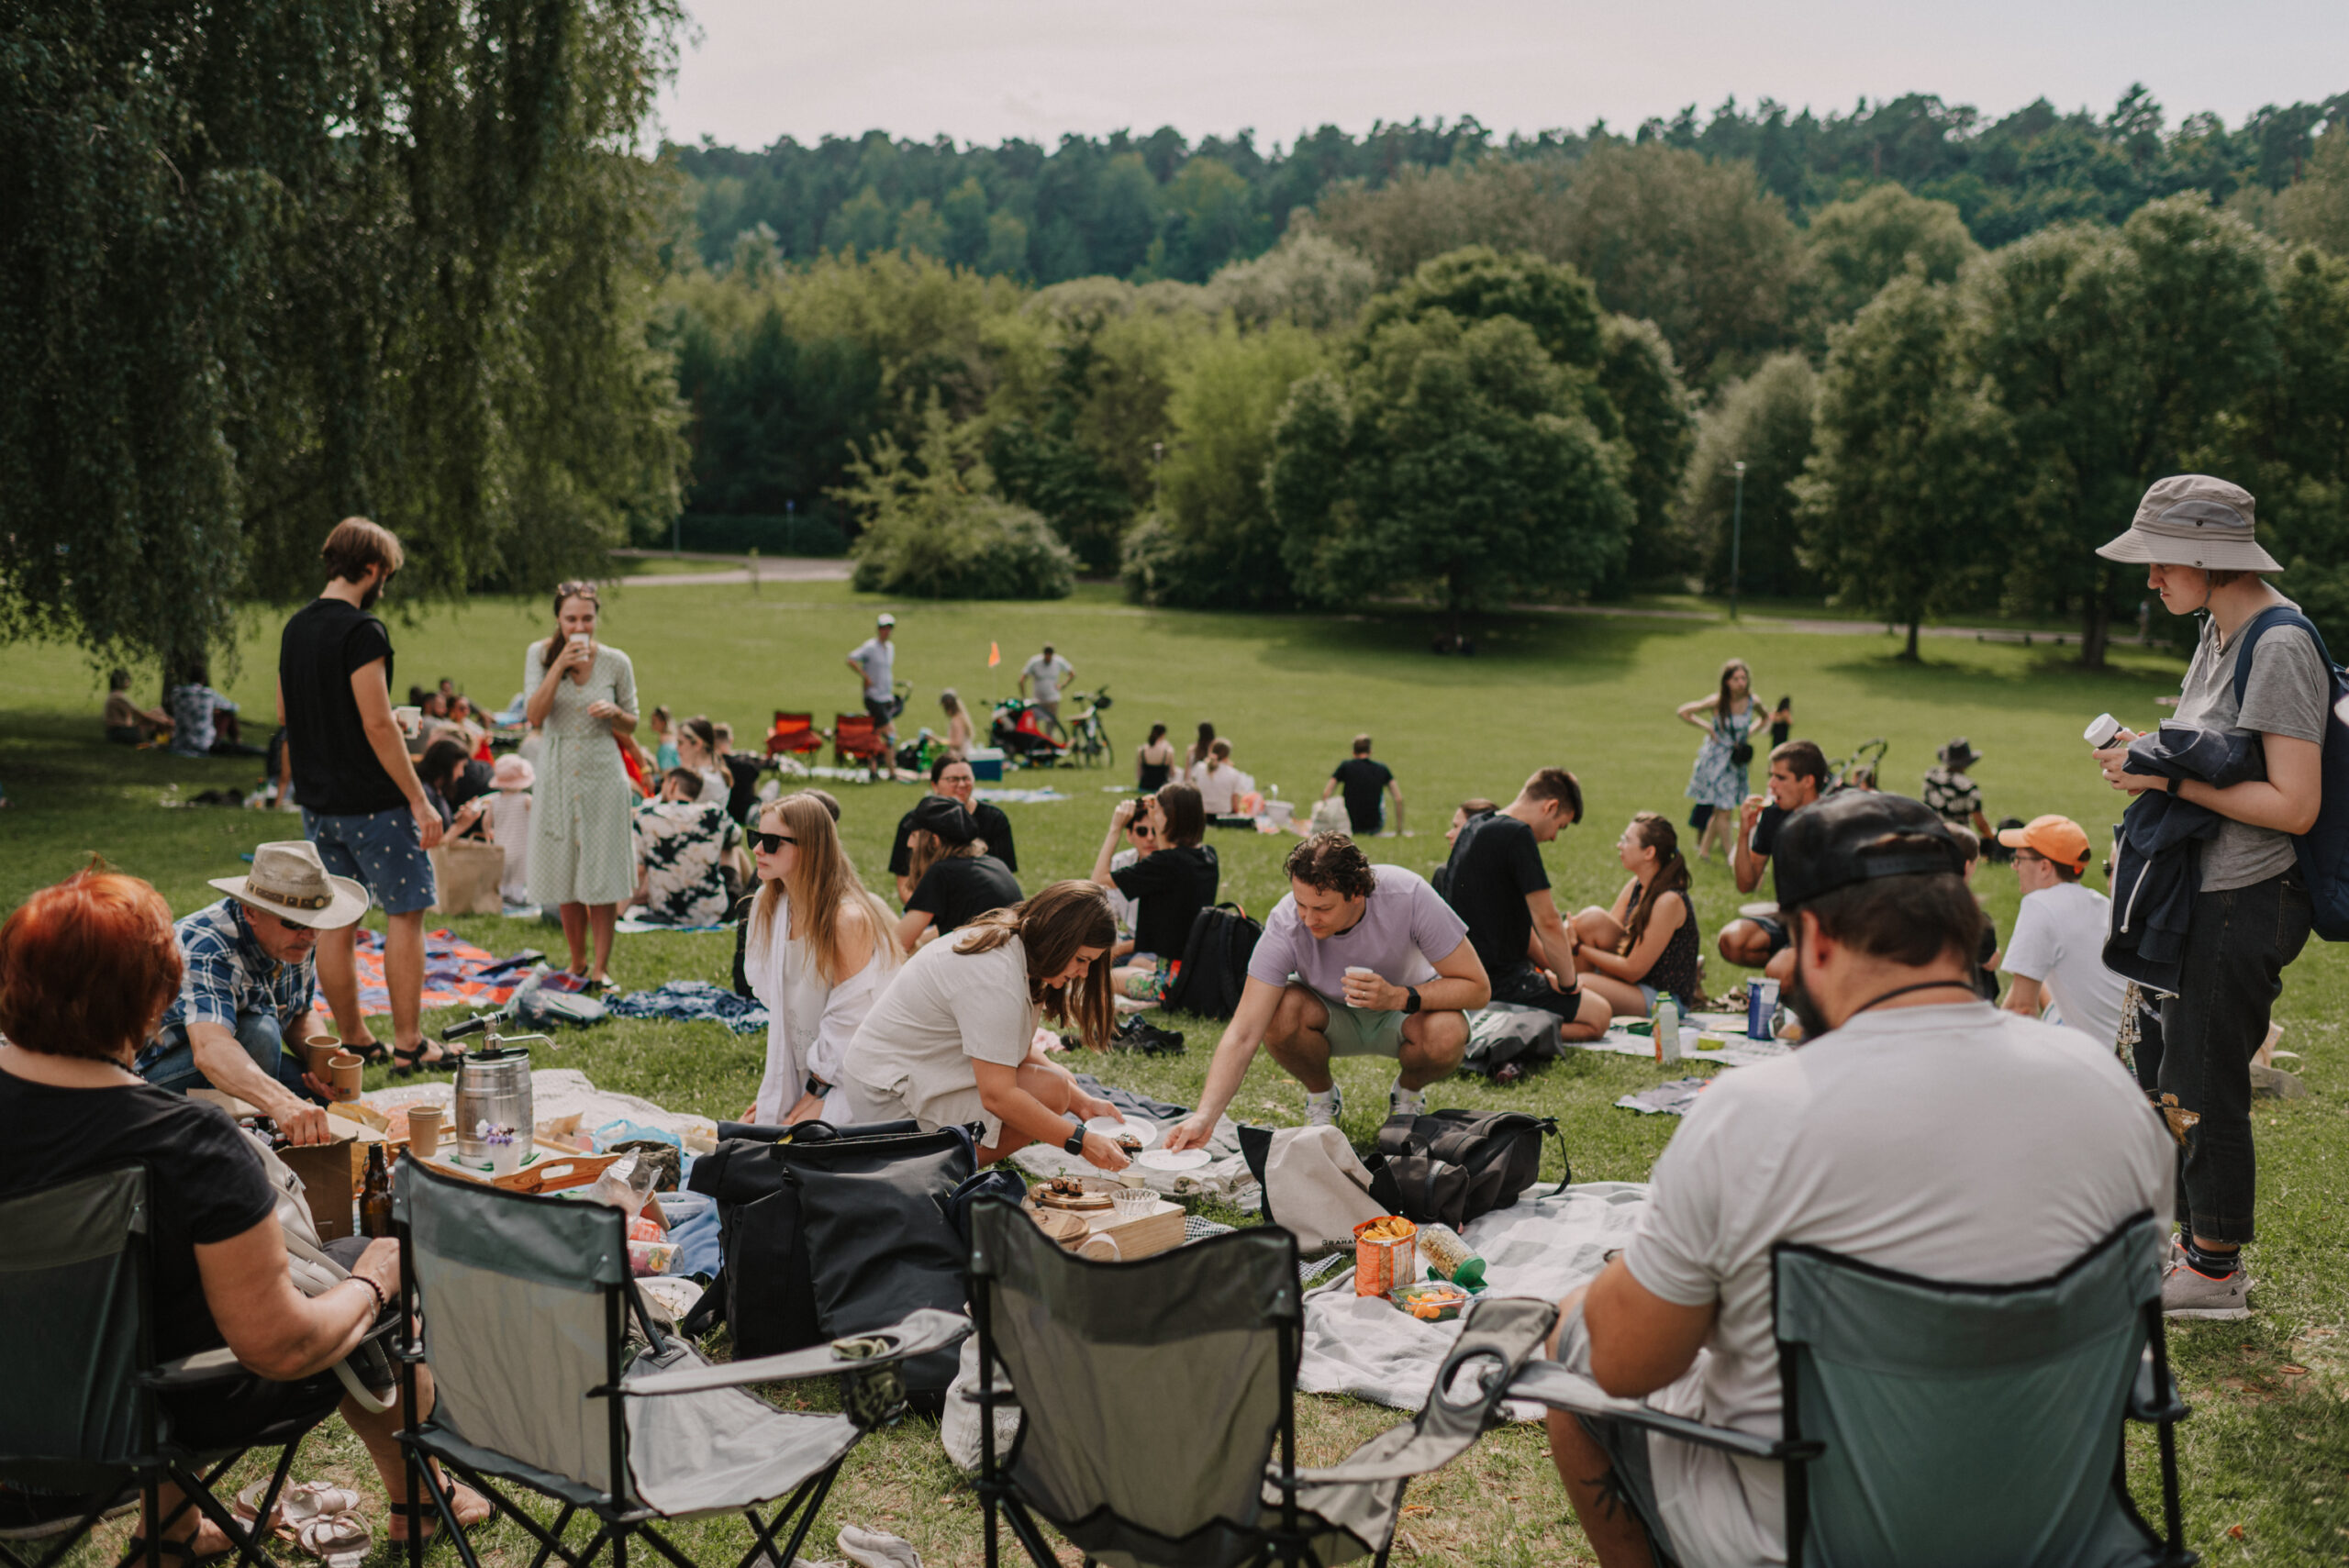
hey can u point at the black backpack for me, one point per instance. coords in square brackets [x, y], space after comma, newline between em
[1451, 1166]
[1215, 961]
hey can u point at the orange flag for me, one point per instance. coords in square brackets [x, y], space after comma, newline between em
[995, 655]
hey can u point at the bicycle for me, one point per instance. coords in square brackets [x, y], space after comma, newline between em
[1861, 768]
[1088, 737]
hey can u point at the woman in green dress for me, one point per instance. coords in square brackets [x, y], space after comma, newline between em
[582, 859]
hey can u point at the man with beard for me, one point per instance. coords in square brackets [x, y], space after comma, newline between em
[361, 803]
[1920, 1130]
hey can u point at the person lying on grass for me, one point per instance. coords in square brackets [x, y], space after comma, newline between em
[952, 1040]
[1343, 969]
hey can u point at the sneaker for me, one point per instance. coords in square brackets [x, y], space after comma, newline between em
[2189, 1292]
[1406, 1101]
[1325, 1113]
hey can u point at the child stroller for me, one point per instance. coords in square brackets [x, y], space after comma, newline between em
[1018, 729]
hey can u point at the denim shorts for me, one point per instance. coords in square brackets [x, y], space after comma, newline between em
[382, 850]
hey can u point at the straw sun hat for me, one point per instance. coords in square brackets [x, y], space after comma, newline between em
[290, 881]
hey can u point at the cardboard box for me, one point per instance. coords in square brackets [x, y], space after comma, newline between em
[330, 1176]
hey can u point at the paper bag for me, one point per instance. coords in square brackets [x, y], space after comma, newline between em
[466, 874]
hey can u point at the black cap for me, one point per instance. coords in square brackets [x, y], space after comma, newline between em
[1839, 840]
[943, 817]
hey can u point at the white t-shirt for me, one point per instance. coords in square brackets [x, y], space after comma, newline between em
[878, 660]
[912, 1055]
[2059, 941]
[1048, 674]
[1954, 1142]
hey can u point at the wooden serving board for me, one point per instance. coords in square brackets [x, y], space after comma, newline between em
[555, 1169]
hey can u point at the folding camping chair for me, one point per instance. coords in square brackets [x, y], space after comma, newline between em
[1935, 1423]
[1153, 1393]
[526, 1302]
[79, 1419]
[794, 733]
[855, 739]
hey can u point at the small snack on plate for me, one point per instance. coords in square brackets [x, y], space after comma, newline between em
[1129, 1143]
[1438, 1301]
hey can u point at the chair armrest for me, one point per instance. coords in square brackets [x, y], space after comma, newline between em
[219, 1364]
[920, 1333]
[1381, 1460]
[2145, 1404]
[1547, 1383]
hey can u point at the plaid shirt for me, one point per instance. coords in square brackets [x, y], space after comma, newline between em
[228, 974]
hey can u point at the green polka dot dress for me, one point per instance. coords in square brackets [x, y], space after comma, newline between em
[580, 848]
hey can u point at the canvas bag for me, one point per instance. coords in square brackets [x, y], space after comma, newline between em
[314, 1271]
[1451, 1166]
[466, 875]
[1315, 1187]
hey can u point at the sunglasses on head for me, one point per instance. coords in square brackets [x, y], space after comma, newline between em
[770, 843]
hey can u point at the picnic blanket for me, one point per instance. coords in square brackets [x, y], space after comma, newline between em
[1027, 797]
[1677, 1098]
[693, 1001]
[1542, 1247]
[559, 1092]
[1225, 1175]
[452, 975]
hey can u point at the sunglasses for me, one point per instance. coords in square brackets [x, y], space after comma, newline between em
[770, 843]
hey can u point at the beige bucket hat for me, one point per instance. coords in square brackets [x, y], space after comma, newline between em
[290, 882]
[2192, 519]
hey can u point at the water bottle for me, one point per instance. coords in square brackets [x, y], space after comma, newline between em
[1668, 1029]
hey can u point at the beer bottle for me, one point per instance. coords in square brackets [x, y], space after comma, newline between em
[375, 1197]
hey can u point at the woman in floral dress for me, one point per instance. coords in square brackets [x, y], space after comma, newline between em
[583, 858]
[1717, 784]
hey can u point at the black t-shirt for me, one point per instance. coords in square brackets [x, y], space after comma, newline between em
[1495, 863]
[1362, 783]
[990, 822]
[1170, 887]
[204, 1179]
[959, 888]
[743, 767]
[335, 769]
[1765, 828]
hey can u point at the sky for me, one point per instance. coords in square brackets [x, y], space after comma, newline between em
[984, 70]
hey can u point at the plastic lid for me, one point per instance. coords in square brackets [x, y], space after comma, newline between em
[1470, 1275]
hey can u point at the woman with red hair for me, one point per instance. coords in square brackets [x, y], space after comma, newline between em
[87, 968]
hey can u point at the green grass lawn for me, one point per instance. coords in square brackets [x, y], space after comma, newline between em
[2265, 1451]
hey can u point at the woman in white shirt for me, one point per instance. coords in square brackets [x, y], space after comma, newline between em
[952, 1040]
[697, 753]
[1218, 782]
[818, 952]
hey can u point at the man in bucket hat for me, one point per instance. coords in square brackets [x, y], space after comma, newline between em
[1920, 1130]
[1948, 790]
[244, 1005]
[2251, 916]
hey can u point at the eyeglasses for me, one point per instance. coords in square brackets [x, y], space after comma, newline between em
[770, 843]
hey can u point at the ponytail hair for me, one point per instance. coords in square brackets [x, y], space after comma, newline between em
[1671, 872]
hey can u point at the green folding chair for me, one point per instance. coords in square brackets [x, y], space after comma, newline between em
[80, 1424]
[525, 1304]
[1928, 1423]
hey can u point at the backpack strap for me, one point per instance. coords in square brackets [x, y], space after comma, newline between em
[2265, 621]
[1565, 1164]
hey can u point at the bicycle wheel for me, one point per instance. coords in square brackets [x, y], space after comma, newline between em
[1096, 741]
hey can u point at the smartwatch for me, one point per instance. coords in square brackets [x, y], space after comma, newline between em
[1410, 1000]
[1075, 1145]
[816, 1086]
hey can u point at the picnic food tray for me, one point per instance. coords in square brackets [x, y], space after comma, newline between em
[548, 1168]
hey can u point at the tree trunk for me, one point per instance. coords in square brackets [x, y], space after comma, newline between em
[1911, 654]
[2096, 629]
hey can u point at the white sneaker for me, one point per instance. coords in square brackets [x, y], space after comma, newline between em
[1325, 1112]
[1406, 1101]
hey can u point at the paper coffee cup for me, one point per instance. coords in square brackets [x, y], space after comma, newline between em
[410, 717]
[344, 1072]
[319, 1052]
[424, 1131]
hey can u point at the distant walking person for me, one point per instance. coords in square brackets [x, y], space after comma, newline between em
[361, 802]
[583, 694]
[876, 663]
[1717, 784]
[1050, 673]
[1366, 783]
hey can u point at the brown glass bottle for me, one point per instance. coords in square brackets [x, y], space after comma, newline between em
[375, 1197]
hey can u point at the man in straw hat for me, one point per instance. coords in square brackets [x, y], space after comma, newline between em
[243, 1007]
[2251, 914]
[1918, 1131]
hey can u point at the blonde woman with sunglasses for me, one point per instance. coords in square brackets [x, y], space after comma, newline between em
[819, 950]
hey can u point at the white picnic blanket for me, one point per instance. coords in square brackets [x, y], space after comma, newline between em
[560, 1091]
[1225, 1175]
[1541, 1246]
[1739, 1052]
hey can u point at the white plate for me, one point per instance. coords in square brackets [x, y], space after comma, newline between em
[1112, 1128]
[1174, 1159]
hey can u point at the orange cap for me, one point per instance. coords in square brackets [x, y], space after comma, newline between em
[2059, 838]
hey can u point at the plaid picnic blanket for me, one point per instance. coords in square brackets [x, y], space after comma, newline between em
[452, 976]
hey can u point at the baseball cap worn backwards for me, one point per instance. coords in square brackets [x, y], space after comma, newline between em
[2192, 519]
[1858, 837]
[945, 818]
[2058, 838]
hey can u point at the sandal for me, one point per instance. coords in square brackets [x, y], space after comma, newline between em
[247, 1509]
[312, 1500]
[410, 1061]
[459, 1494]
[338, 1540]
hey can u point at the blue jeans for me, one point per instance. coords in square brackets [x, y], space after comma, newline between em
[170, 1062]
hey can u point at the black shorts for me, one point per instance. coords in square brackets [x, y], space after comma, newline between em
[1528, 987]
[883, 714]
[1775, 927]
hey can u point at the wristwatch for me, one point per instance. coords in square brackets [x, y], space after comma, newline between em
[816, 1086]
[1410, 1000]
[1075, 1145]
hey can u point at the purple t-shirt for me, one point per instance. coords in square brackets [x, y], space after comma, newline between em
[1405, 924]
